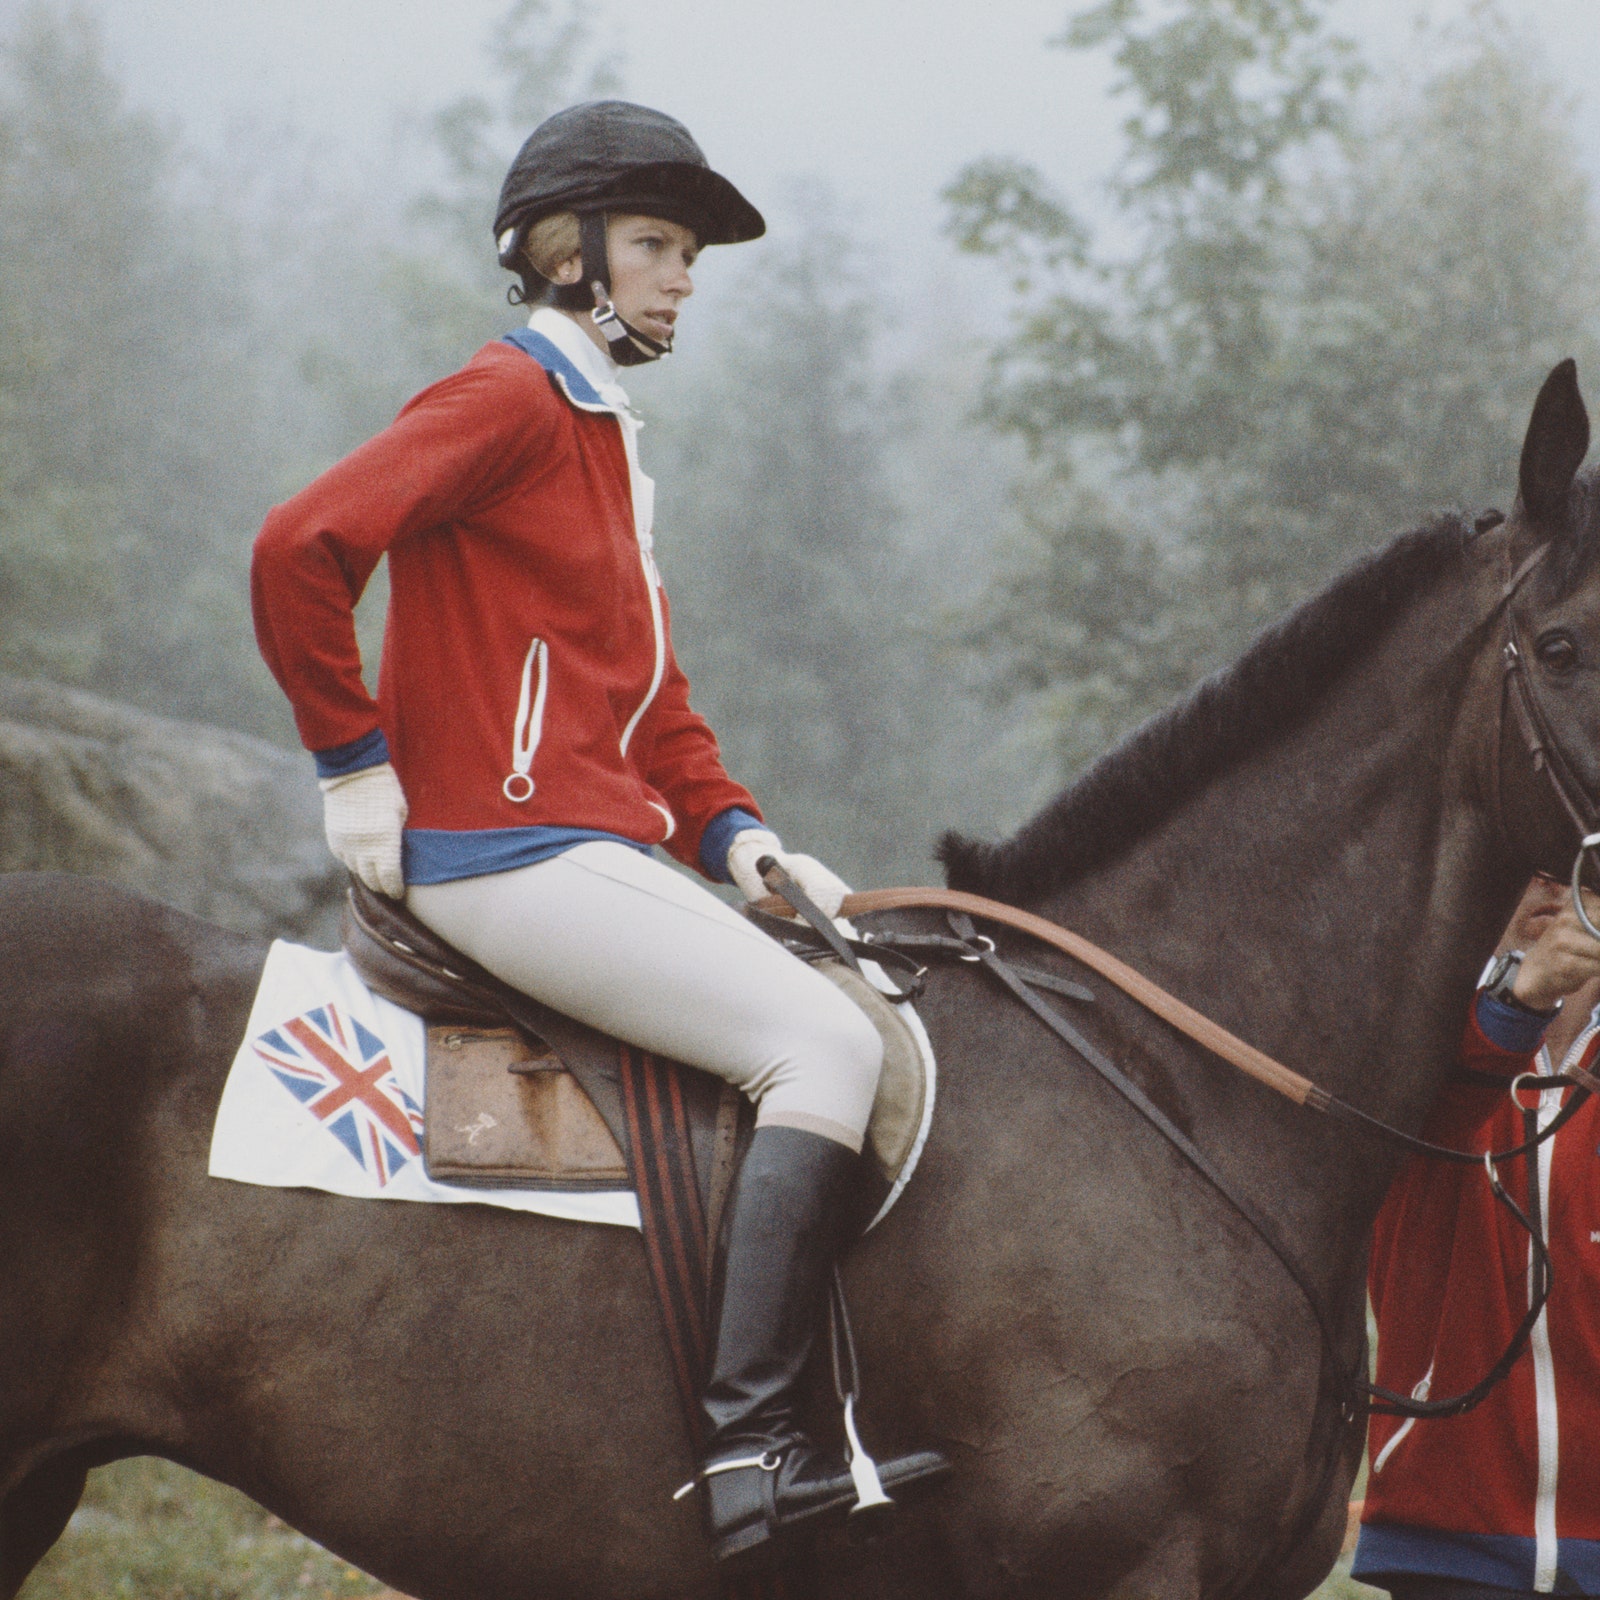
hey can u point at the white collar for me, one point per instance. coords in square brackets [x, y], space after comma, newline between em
[582, 352]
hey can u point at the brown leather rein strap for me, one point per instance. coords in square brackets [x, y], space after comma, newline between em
[1206, 1033]
[960, 907]
[1184, 1018]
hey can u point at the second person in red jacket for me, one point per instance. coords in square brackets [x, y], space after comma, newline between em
[1503, 1502]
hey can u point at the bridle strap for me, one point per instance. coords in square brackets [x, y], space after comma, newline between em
[1185, 1019]
[1002, 970]
[1529, 562]
[1206, 1033]
[1545, 753]
[1543, 750]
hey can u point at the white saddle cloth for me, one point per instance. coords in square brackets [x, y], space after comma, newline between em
[327, 1092]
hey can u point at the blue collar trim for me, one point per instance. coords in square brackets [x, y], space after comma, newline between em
[574, 385]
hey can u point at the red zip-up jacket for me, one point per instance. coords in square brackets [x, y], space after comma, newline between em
[528, 678]
[1508, 1495]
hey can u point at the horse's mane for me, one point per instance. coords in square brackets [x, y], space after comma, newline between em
[1165, 761]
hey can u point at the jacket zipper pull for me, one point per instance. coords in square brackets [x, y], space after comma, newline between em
[519, 785]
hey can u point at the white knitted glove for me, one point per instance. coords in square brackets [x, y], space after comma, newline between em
[362, 814]
[827, 889]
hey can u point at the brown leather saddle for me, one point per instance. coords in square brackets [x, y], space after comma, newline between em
[521, 1096]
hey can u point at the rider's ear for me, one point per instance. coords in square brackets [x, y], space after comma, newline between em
[568, 270]
[1557, 441]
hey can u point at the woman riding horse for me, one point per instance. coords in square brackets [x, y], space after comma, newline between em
[532, 740]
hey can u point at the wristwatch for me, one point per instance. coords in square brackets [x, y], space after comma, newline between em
[1502, 974]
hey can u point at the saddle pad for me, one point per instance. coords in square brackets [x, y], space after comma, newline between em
[327, 1092]
[903, 1106]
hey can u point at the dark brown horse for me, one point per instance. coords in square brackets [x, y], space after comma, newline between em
[1317, 849]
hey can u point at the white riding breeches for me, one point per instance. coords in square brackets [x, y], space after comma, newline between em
[614, 938]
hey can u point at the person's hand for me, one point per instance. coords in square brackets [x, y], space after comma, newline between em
[825, 888]
[363, 813]
[1563, 958]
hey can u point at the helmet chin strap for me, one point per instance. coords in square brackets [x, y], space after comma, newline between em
[629, 346]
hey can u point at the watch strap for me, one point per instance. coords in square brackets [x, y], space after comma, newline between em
[1498, 983]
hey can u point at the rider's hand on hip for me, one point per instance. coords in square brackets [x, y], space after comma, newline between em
[363, 814]
[826, 888]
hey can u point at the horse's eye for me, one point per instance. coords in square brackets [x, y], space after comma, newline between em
[1557, 652]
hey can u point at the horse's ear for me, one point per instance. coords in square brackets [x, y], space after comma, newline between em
[1557, 441]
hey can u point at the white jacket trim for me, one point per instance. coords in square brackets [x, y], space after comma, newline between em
[600, 370]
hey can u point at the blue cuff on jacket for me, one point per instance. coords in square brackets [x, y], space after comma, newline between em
[370, 750]
[1511, 1027]
[720, 833]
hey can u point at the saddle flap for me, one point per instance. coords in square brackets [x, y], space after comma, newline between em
[502, 1113]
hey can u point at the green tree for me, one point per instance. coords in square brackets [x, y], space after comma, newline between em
[133, 463]
[1331, 322]
[1158, 349]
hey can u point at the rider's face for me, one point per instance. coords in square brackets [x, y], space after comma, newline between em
[650, 261]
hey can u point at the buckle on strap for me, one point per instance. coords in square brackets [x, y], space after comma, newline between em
[605, 318]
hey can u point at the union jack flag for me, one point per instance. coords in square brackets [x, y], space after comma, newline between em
[341, 1073]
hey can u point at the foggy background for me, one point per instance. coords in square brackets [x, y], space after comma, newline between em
[1033, 404]
[1064, 367]
[883, 101]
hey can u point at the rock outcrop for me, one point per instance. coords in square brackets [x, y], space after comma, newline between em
[217, 823]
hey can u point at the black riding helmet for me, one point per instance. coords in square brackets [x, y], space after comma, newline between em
[609, 156]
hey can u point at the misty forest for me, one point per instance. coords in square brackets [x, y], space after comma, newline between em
[921, 573]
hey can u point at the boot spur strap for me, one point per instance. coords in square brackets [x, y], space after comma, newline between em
[768, 1461]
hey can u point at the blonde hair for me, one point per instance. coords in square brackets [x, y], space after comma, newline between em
[551, 240]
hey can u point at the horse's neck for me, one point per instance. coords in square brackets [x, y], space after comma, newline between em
[1331, 898]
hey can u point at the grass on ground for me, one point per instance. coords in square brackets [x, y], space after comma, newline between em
[1341, 1586]
[148, 1530]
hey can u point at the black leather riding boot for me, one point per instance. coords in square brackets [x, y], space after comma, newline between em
[761, 1475]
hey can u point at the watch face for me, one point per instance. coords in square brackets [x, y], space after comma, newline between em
[1503, 974]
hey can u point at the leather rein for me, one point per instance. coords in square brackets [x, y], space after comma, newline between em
[967, 944]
